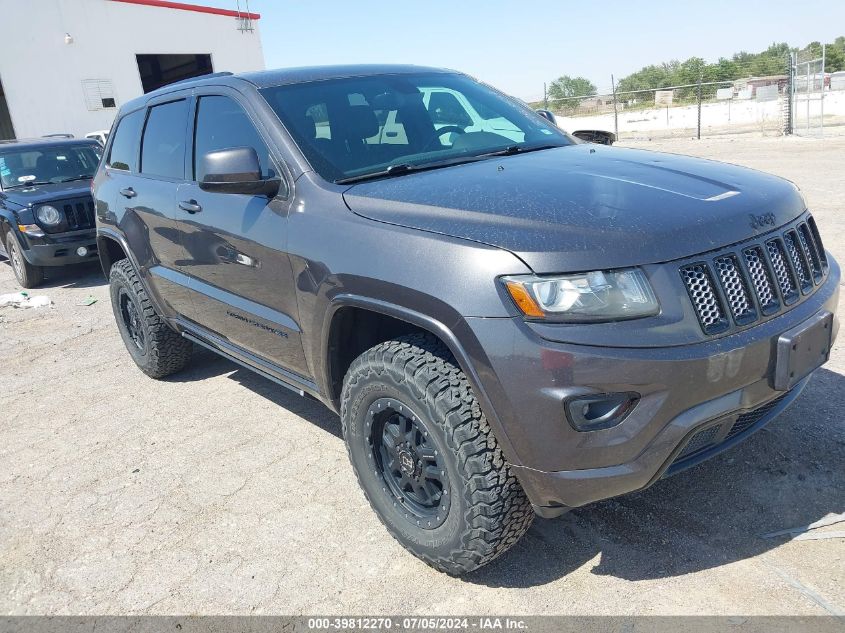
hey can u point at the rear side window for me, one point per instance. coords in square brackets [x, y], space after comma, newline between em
[222, 124]
[124, 148]
[163, 145]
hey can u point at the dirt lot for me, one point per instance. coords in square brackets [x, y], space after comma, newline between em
[219, 492]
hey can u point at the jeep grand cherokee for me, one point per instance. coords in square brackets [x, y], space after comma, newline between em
[508, 321]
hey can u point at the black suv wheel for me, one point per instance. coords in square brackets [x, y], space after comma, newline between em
[426, 458]
[28, 276]
[153, 345]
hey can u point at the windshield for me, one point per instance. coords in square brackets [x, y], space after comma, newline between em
[49, 164]
[356, 126]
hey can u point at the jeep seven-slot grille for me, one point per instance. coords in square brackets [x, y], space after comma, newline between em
[756, 280]
[79, 214]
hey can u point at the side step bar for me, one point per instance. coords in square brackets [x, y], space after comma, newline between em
[268, 370]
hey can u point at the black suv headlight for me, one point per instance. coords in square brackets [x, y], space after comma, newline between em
[584, 297]
[48, 215]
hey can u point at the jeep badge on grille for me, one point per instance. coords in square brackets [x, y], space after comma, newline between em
[762, 220]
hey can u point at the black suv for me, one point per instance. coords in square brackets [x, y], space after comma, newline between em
[46, 209]
[507, 320]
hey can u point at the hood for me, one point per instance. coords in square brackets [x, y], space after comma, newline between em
[586, 206]
[41, 194]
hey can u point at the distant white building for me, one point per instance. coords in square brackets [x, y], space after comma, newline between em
[67, 65]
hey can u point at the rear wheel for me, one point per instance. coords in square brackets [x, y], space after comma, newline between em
[154, 346]
[28, 276]
[426, 457]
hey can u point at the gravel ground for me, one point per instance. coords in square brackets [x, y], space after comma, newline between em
[218, 492]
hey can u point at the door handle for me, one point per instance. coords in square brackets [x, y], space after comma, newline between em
[129, 192]
[191, 206]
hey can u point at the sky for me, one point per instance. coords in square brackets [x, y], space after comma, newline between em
[516, 46]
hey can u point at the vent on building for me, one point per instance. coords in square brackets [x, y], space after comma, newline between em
[99, 94]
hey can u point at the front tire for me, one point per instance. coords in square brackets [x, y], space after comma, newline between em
[154, 346]
[28, 276]
[426, 457]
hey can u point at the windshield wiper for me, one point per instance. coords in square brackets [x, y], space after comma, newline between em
[30, 183]
[80, 177]
[400, 169]
[510, 150]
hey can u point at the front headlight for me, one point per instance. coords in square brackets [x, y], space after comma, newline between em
[592, 296]
[48, 215]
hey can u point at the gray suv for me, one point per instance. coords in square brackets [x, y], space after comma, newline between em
[509, 321]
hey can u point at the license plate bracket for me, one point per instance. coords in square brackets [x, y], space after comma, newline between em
[801, 350]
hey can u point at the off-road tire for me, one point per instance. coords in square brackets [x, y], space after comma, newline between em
[28, 276]
[488, 511]
[162, 351]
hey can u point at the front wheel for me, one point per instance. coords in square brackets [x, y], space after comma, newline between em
[28, 276]
[426, 457]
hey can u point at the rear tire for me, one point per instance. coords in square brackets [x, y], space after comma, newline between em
[28, 276]
[426, 457]
[154, 346]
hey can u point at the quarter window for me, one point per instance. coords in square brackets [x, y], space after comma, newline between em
[221, 123]
[163, 146]
[124, 147]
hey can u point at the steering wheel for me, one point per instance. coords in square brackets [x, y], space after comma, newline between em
[440, 132]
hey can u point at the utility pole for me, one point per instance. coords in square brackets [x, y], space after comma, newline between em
[545, 97]
[615, 111]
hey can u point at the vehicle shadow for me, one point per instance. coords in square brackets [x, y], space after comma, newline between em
[207, 364]
[788, 474]
[87, 275]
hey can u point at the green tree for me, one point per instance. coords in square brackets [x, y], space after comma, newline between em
[772, 61]
[566, 87]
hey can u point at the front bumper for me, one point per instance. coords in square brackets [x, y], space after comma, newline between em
[59, 249]
[684, 390]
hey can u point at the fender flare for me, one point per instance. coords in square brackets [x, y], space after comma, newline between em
[433, 326]
[8, 224]
[109, 234]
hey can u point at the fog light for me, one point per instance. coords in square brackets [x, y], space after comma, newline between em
[595, 412]
[82, 251]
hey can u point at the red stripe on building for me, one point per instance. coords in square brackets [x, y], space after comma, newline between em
[166, 4]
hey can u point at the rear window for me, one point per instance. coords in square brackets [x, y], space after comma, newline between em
[163, 144]
[124, 148]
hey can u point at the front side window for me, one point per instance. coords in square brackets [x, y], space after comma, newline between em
[445, 109]
[352, 127]
[46, 165]
[221, 124]
[124, 148]
[163, 144]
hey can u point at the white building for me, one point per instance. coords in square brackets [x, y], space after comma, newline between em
[67, 65]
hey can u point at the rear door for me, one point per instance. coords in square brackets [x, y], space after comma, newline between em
[145, 177]
[241, 277]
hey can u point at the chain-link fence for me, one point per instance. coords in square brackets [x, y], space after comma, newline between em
[809, 89]
[789, 94]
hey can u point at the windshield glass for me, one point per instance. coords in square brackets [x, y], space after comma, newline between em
[48, 164]
[355, 126]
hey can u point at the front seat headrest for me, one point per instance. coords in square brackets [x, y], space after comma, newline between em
[359, 122]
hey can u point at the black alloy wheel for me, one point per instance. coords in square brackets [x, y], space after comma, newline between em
[406, 459]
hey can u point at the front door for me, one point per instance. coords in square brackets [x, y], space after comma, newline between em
[241, 279]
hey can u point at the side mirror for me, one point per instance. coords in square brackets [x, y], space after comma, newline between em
[235, 170]
[548, 114]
